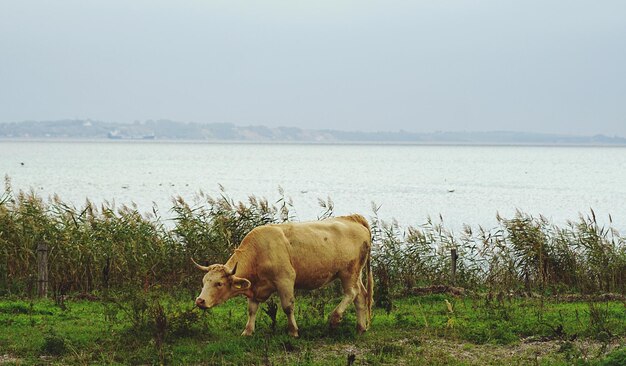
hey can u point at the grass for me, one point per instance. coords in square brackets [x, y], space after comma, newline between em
[429, 330]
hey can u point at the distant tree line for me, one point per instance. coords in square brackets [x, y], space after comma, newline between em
[172, 130]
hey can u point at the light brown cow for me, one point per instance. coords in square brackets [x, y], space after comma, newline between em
[283, 257]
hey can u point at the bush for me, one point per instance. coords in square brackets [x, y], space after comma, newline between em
[615, 358]
[53, 344]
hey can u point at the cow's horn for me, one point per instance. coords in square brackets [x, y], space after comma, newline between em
[203, 268]
[232, 272]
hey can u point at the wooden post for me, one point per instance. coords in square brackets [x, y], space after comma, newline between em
[453, 259]
[42, 270]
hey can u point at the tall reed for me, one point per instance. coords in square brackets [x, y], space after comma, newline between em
[97, 247]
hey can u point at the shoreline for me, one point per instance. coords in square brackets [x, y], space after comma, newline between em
[311, 143]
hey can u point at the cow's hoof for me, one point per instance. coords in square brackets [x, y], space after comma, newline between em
[247, 333]
[294, 333]
[360, 330]
[335, 319]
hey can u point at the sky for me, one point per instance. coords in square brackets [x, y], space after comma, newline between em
[548, 66]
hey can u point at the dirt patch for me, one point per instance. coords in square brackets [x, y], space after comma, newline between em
[600, 297]
[438, 289]
[427, 350]
[8, 359]
[530, 352]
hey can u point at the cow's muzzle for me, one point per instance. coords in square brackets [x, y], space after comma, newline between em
[201, 303]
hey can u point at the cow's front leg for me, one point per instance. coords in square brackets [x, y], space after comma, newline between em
[253, 306]
[288, 302]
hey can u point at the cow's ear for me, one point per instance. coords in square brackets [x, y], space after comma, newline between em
[241, 283]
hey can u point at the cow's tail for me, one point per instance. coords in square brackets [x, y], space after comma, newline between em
[368, 269]
[370, 288]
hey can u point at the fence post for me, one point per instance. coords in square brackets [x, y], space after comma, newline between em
[453, 259]
[42, 270]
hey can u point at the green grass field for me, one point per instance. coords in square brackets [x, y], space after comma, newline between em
[428, 330]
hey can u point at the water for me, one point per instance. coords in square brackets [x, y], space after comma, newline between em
[465, 184]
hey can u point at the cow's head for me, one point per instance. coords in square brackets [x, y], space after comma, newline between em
[219, 284]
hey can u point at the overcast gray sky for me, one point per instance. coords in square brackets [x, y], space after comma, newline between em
[422, 66]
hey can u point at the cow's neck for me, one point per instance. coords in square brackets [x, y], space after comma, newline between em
[245, 264]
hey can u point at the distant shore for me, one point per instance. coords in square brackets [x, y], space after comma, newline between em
[191, 132]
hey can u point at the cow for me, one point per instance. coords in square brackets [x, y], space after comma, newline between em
[284, 257]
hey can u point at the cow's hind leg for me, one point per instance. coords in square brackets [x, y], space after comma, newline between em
[360, 303]
[350, 291]
[287, 300]
[253, 306]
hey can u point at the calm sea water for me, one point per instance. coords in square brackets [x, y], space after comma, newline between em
[465, 184]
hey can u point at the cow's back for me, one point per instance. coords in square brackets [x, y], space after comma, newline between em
[317, 250]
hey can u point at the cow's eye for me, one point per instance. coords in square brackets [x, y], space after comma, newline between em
[218, 284]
